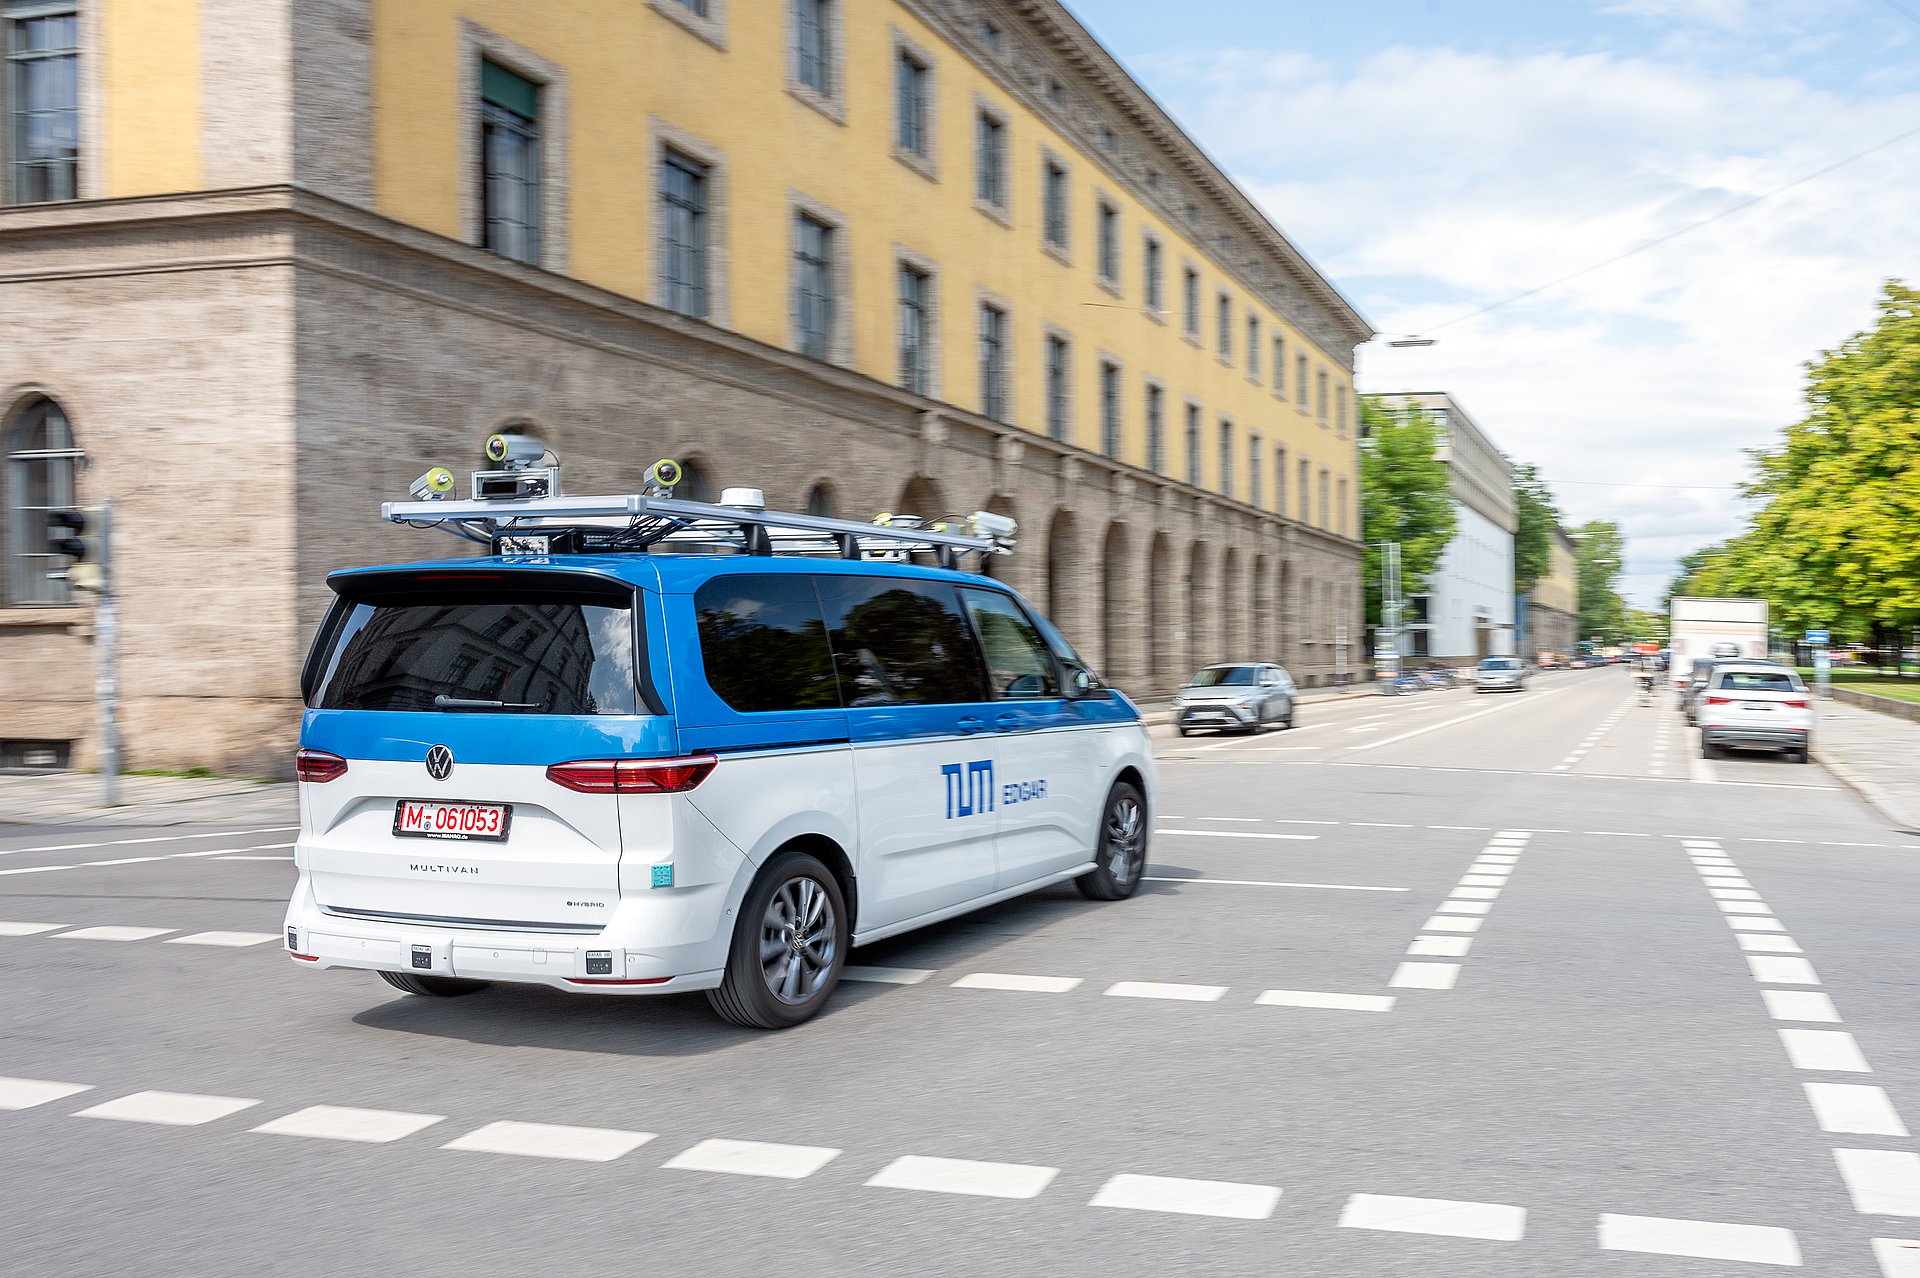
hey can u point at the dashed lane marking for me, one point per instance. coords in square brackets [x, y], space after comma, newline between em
[1435, 727]
[1752, 923]
[25, 1093]
[1167, 990]
[1882, 1182]
[1800, 1005]
[1898, 1257]
[964, 1176]
[168, 856]
[1441, 946]
[1202, 878]
[30, 929]
[225, 940]
[113, 933]
[345, 1122]
[1236, 834]
[1012, 981]
[1334, 1002]
[1827, 1051]
[1188, 1197]
[1858, 1109]
[546, 1140]
[1425, 976]
[1496, 1222]
[753, 1158]
[1762, 943]
[169, 1109]
[164, 838]
[886, 975]
[1703, 1239]
[1782, 971]
[1445, 923]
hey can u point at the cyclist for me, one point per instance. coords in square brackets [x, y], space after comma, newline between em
[1643, 675]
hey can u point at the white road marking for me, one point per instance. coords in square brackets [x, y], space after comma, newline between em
[1782, 971]
[1475, 829]
[1483, 880]
[1701, 772]
[125, 860]
[30, 929]
[1425, 976]
[1745, 839]
[1898, 1257]
[1722, 882]
[1435, 727]
[1618, 834]
[887, 975]
[1478, 893]
[1800, 1005]
[1206, 878]
[1188, 1197]
[1857, 1108]
[1733, 894]
[1742, 907]
[163, 838]
[1503, 858]
[546, 1140]
[753, 1158]
[1705, 1239]
[282, 859]
[1336, 1002]
[344, 1122]
[1009, 981]
[113, 933]
[1235, 834]
[1748, 923]
[1252, 819]
[170, 1109]
[1447, 923]
[1167, 990]
[1832, 1051]
[1441, 946]
[1883, 1182]
[1762, 943]
[1385, 825]
[1451, 906]
[25, 1093]
[1494, 1221]
[229, 940]
[964, 1176]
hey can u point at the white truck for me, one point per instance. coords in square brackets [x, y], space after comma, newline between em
[1716, 629]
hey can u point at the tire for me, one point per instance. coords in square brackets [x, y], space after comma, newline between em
[1293, 712]
[1121, 853]
[1183, 729]
[768, 951]
[436, 986]
[1803, 756]
[1709, 751]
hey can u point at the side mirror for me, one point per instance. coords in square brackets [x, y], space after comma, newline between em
[1084, 683]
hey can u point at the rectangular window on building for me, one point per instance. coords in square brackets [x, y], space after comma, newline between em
[1109, 408]
[1224, 321]
[813, 299]
[1442, 426]
[1156, 429]
[1254, 469]
[1305, 489]
[915, 346]
[990, 160]
[696, 7]
[509, 163]
[1341, 510]
[1058, 370]
[683, 235]
[1226, 457]
[1280, 478]
[1109, 255]
[1320, 396]
[993, 362]
[910, 85]
[1300, 381]
[1340, 410]
[1323, 496]
[813, 44]
[1280, 366]
[1054, 204]
[1253, 348]
[1153, 288]
[1193, 444]
[1190, 301]
[43, 103]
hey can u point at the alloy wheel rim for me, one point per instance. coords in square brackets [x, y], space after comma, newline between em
[1126, 837]
[799, 940]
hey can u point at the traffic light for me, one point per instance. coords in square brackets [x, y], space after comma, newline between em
[78, 536]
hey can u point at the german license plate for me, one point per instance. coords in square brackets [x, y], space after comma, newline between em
[1756, 705]
[424, 819]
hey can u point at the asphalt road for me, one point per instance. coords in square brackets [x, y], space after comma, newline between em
[1445, 984]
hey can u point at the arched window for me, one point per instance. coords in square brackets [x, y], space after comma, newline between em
[820, 502]
[41, 462]
[693, 485]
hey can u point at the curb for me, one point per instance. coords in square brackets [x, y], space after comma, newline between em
[1868, 792]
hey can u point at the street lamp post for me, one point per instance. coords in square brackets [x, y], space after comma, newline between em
[1386, 648]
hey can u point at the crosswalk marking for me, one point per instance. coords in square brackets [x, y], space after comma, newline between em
[886, 975]
[1749, 923]
[1703, 1239]
[25, 1093]
[30, 929]
[964, 1176]
[1188, 1197]
[1765, 943]
[1834, 1051]
[1167, 990]
[753, 1158]
[344, 1122]
[113, 933]
[1425, 976]
[1011, 981]
[1782, 971]
[226, 940]
[1478, 893]
[1800, 1005]
[1857, 1108]
[1441, 946]
[1495, 1221]
[1898, 1257]
[547, 1140]
[1882, 1182]
[169, 1109]
[1447, 923]
[1336, 1002]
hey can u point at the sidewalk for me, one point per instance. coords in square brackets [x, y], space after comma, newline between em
[1876, 755]
[73, 798]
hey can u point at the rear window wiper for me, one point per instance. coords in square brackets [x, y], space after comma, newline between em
[444, 702]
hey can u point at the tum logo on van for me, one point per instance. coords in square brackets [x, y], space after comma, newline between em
[969, 787]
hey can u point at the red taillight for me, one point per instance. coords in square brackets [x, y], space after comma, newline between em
[1719, 701]
[633, 776]
[318, 765]
[1795, 704]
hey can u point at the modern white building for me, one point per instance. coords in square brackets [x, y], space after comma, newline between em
[1465, 611]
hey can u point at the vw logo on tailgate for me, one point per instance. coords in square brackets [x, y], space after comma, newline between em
[439, 763]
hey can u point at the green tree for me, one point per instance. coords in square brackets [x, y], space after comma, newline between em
[1403, 495]
[1537, 516]
[1601, 551]
[1690, 568]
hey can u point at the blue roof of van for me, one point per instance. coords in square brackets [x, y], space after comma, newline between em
[672, 574]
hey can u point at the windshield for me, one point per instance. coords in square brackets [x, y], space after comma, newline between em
[1760, 681]
[1499, 663]
[1225, 677]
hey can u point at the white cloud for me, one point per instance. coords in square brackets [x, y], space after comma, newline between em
[1428, 182]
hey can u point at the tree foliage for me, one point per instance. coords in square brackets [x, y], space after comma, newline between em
[1403, 486]
[1537, 517]
[1599, 554]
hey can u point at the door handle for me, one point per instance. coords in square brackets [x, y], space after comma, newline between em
[1007, 722]
[969, 724]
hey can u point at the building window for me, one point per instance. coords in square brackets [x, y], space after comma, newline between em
[509, 163]
[820, 502]
[1253, 348]
[1109, 244]
[698, 8]
[1108, 141]
[1320, 396]
[1280, 478]
[1304, 488]
[1152, 285]
[990, 160]
[41, 462]
[993, 362]
[1156, 429]
[911, 81]
[1109, 408]
[813, 45]
[1323, 496]
[1193, 444]
[813, 300]
[1226, 457]
[1054, 204]
[1056, 93]
[1058, 367]
[1190, 301]
[43, 105]
[683, 235]
[1300, 381]
[1224, 318]
[1340, 511]
[1253, 469]
[916, 349]
[1340, 410]
[990, 36]
[1280, 366]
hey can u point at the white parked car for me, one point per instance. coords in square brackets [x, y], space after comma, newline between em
[1753, 705]
[1500, 674]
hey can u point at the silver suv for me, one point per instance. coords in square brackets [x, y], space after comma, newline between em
[1500, 674]
[1235, 697]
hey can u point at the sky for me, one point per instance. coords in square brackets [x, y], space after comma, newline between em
[1436, 156]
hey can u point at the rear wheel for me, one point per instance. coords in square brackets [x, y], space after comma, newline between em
[788, 946]
[1708, 750]
[1121, 855]
[1183, 729]
[438, 986]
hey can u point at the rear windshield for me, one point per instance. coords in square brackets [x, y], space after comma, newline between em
[536, 655]
[1760, 681]
[1500, 663]
[1225, 677]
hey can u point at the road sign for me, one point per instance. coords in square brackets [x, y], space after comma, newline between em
[1816, 636]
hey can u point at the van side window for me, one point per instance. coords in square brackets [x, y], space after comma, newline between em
[1018, 664]
[901, 641]
[764, 642]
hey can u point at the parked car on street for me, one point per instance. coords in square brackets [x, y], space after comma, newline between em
[1754, 705]
[1500, 674]
[1235, 697]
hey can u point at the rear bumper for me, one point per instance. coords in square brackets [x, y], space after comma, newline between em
[615, 960]
[1772, 738]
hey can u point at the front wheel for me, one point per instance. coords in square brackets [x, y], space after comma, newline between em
[437, 986]
[788, 946]
[1120, 858]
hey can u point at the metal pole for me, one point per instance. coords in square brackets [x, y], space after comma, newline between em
[107, 687]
